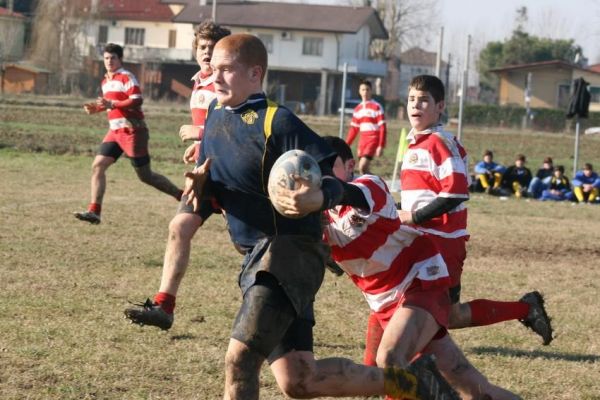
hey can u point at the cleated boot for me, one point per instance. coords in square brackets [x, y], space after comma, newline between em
[88, 216]
[149, 313]
[537, 320]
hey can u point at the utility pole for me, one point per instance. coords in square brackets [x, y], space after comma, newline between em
[438, 58]
[464, 88]
[214, 11]
[343, 100]
[527, 117]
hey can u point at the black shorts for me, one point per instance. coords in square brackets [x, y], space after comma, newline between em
[268, 323]
[205, 210]
[454, 293]
[112, 149]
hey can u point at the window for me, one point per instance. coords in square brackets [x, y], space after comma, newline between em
[134, 36]
[594, 94]
[267, 41]
[312, 46]
[102, 34]
[172, 39]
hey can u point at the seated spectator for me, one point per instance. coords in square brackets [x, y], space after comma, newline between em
[489, 174]
[541, 180]
[559, 187]
[586, 184]
[517, 177]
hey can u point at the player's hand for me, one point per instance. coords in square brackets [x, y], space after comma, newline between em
[378, 151]
[103, 103]
[405, 217]
[306, 198]
[91, 108]
[190, 154]
[194, 184]
[188, 132]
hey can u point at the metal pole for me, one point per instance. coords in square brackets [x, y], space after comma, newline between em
[463, 90]
[527, 101]
[576, 152]
[438, 58]
[214, 11]
[343, 102]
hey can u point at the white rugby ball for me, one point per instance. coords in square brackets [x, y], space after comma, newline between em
[293, 162]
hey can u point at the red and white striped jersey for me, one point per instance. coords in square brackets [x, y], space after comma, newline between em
[435, 165]
[368, 119]
[122, 86]
[375, 249]
[203, 94]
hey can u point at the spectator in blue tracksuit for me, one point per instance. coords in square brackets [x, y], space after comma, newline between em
[559, 188]
[488, 173]
[517, 177]
[541, 180]
[586, 184]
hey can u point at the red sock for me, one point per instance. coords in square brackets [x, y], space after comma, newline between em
[96, 208]
[166, 301]
[372, 340]
[487, 312]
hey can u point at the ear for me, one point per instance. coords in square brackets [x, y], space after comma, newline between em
[350, 164]
[441, 105]
[255, 73]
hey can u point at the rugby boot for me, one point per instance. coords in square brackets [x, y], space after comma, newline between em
[88, 216]
[149, 313]
[420, 381]
[537, 320]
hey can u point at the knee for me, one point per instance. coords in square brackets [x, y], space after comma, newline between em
[387, 358]
[180, 228]
[295, 388]
[144, 174]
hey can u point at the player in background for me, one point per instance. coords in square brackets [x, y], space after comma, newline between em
[127, 133]
[182, 228]
[368, 121]
[434, 184]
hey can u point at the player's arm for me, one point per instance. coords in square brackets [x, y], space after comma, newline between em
[134, 102]
[437, 207]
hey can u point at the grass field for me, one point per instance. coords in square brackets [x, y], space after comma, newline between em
[65, 283]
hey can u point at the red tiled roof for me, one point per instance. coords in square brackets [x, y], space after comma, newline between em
[287, 16]
[147, 10]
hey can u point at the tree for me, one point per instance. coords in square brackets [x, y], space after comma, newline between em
[522, 48]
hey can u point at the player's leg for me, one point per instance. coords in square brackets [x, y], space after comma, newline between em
[372, 339]
[108, 153]
[182, 228]
[242, 370]
[461, 374]
[158, 181]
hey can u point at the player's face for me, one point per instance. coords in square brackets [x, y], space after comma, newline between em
[204, 52]
[423, 111]
[519, 163]
[111, 62]
[343, 170]
[365, 92]
[487, 158]
[234, 81]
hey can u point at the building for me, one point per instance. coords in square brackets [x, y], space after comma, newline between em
[416, 61]
[308, 46]
[25, 78]
[550, 84]
[12, 35]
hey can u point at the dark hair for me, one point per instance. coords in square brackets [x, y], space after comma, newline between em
[365, 82]
[488, 153]
[114, 49]
[429, 83]
[521, 157]
[340, 147]
[587, 165]
[560, 168]
[548, 160]
[208, 30]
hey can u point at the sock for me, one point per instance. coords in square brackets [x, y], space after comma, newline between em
[166, 301]
[96, 208]
[487, 312]
[372, 340]
[179, 195]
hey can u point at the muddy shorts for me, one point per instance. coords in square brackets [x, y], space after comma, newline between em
[279, 281]
[454, 253]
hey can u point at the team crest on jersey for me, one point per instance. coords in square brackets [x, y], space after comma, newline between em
[357, 221]
[433, 270]
[249, 117]
[413, 158]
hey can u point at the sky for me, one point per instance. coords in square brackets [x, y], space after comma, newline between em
[490, 20]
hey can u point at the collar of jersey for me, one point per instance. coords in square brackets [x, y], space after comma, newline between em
[203, 81]
[252, 99]
[115, 73]
[411, 135]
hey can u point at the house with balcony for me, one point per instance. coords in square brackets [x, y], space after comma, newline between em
[308, 46]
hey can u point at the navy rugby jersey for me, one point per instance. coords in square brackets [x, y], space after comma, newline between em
[242, 157]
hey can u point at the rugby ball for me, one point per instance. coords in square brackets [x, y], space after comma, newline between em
[293, 162]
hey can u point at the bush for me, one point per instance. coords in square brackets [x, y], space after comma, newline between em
[544, 119]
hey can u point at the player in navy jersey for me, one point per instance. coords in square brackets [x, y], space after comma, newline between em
[284, 258]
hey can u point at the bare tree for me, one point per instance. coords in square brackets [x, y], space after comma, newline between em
[408, 23]
[57, 27]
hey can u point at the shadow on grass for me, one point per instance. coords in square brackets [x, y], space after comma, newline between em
[335, 346]
[185, 336]
[549, 355]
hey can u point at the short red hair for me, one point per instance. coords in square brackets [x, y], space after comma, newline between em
[248, 49]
